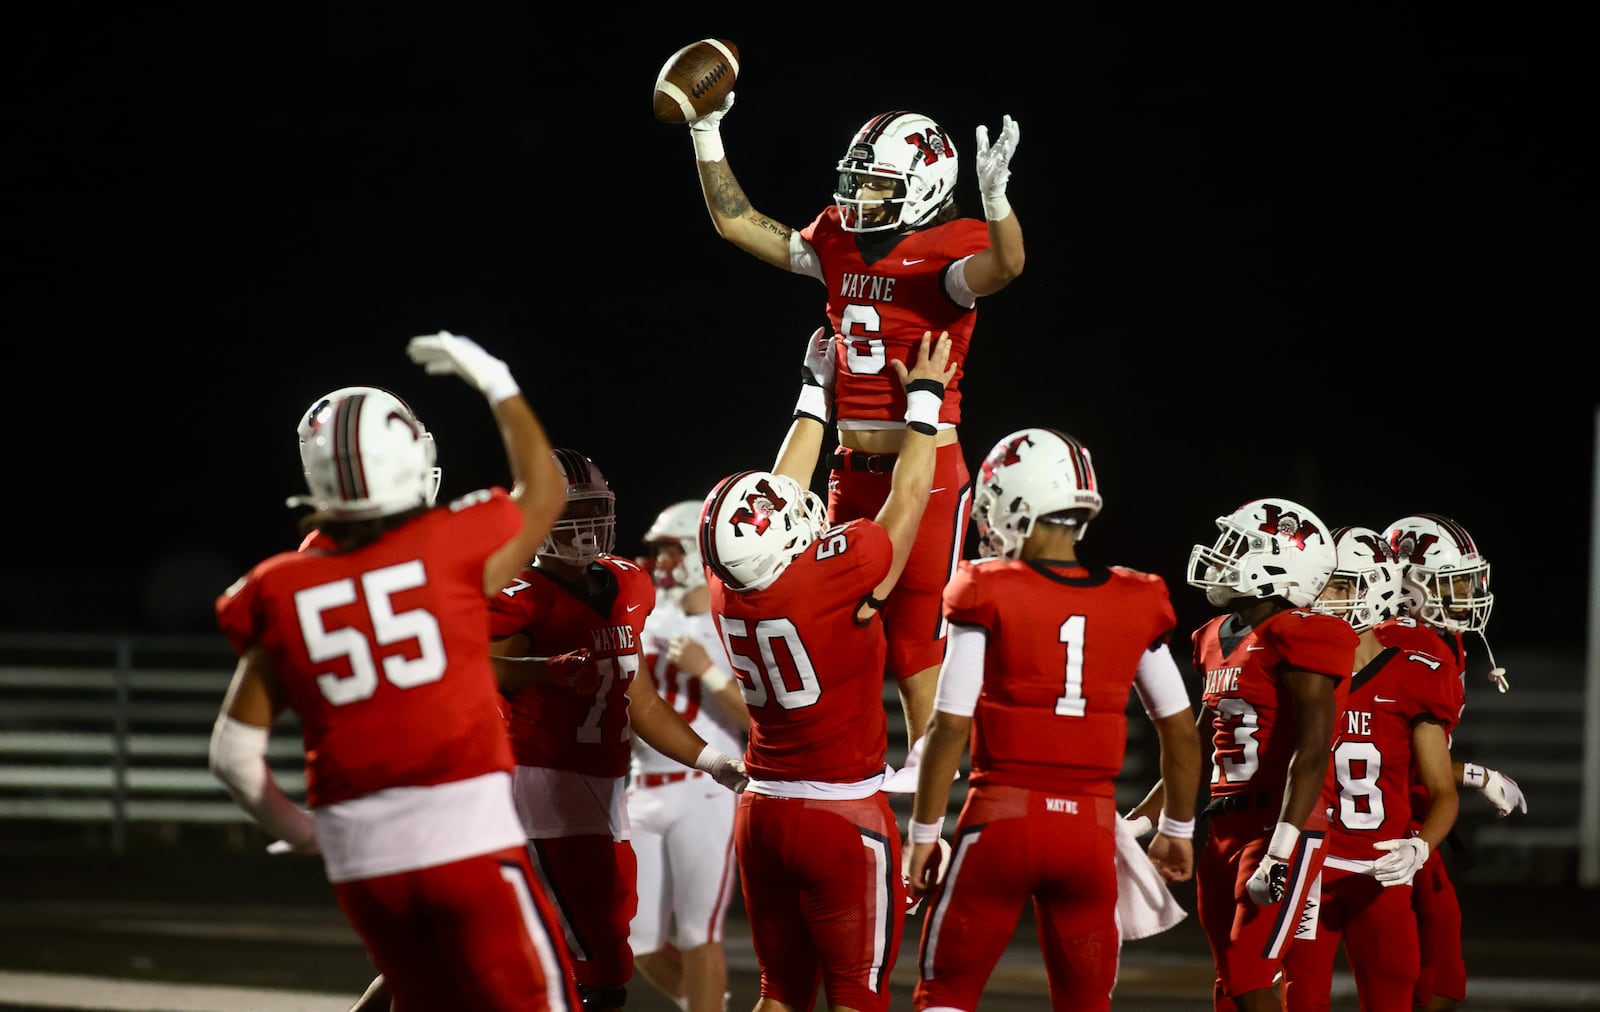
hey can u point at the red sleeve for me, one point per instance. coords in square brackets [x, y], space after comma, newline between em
[1311, 641]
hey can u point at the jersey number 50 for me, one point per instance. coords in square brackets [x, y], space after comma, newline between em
[760, 675]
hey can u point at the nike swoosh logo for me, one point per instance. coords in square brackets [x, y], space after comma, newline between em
[1383, 699]
[936, 491]
[632, 608]
[1248, 649]
[909, 263]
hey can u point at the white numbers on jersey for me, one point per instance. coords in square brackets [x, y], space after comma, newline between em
[1352, 789]
[388, 628]
[1071, 702]
[759, 677]
[863, 353]
[832, 544]
[1242, 765]
[611, 669]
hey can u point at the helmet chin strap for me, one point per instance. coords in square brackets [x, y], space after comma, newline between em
[1497, 674]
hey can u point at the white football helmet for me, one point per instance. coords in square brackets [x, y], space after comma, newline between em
[309, 416]
[754, 524]
[1447, 578]
[1377, 591]
[365, 456]
[914, 152]
[588, 526]
[679, 524]
[1028, 476]
[1267, 548]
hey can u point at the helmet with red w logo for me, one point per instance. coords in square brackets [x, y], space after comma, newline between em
[754, 524]
[1366, 588]
[903, 150]
[1266, 548]
[1032, 476]
[1447, 578]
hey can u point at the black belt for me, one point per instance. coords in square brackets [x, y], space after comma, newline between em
[872, 463]
[1232, 804]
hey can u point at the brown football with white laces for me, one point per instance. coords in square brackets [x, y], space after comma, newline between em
[695, 80]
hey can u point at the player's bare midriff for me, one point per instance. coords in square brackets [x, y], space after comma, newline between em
[886, 440]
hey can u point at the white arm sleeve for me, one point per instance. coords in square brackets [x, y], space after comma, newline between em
[239, 760]
[1159, 684]
[961, 675]
[955, 284]
[803, 258]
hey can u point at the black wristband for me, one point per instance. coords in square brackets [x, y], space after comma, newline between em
[923, 427]
[932, 386]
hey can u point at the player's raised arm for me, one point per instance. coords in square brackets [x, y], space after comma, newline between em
[539, 488]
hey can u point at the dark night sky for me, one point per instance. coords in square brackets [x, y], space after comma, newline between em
[1335, 257]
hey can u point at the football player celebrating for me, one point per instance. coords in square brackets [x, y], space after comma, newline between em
[1397, 719]
[796, 603]
[896, 260]
[1043, 652]
[567, 646]
[682, 823]
[375, 639]
[1274, 679]
[1446, 580]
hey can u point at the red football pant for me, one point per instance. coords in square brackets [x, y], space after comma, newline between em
[1248, 940]
[590, 882]
[913, 618]
[823, 894]
[471, 934]
[1380, 943]
[1438, 910]
[1010, 848]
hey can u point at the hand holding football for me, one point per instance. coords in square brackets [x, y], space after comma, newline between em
[695, 80]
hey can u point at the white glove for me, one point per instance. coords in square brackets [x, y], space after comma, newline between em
[816, 375]
[1503, 793]
[724, 769]
[994, 167]
[706, 132]
[1405, 858]
[444, 353]
[1268, 883]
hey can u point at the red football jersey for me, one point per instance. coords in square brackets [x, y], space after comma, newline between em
[552, 726]
[812, 678]
[1406, 633]
[383, 650]
[1063, 648]
[1369, 771]
[881, 308]
[1241, 688]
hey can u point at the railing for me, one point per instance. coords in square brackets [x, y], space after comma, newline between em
[115, 730]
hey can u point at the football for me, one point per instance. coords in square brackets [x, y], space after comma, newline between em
[695, 80]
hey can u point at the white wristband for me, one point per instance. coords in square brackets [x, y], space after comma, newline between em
[923, 406]
[995, 208]
[1284, 839]
[707, 144]
[1474, 776]
[926, 832]
[813, 402]
[1178, 829]
[714, 679]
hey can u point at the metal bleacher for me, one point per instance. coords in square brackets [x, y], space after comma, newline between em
[114, 731]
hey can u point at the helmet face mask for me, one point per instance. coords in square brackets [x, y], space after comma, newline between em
[913, 162]
[365, 457]
[1266, 548]
[1446, 577]
[678, 526]
[1027, 476]
[1366, 588]
[754, 524]
[588, 526]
